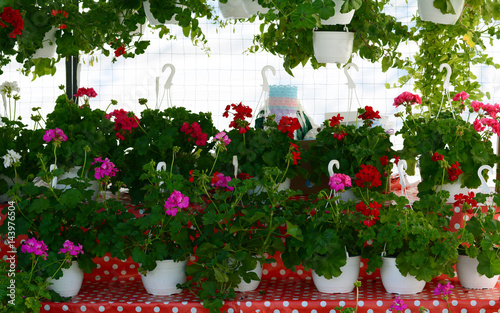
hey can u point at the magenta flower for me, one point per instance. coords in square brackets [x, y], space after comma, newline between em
[73, 249]
[34, 246]
[219, 180]
[54, 135]
[445, 290]
[175, 202]
[407, 99]
[398, 305]
[222, 137]
[339, 182]
[461, 96]
[89, 92]
[107, 168]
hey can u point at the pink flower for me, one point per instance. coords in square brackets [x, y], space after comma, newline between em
[407, 99]
[175, 202]
[398, 305]
[219, 180]
[73, 249]
[445, 290]
[461, 96]
[34, 246]
[107, 168]
[56, 135]
[222, 137]
[339, 182]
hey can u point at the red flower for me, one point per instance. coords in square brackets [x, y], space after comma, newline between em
[467, 200]
[244, 176]
[191, 177]
[454, 171]
[437, 157]
[384, 160]
[296, 153]
[396, 160]
[369, 114]
[120, 51]
[340, 136]
[124, 121]
[371, 212]
[195, 132]
[241, 113]
[289, 125]
[13, 17]
[368, 176]
[335, 120]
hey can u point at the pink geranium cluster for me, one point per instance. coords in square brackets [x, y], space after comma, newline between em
[487, 118]
[175, 202]
[195, 132]
[124, 122]
[56, 135]
[36, 247]
[398, 305]
[338, 182]
[106, 169]
[72, 249]
[223, 138]
[89, 92]
[407, 99]
[219, 180]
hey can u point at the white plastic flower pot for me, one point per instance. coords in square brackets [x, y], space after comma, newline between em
[343, 283]
[253, 7]
[469, 277]
[233, 9]
[164, 278]
[253, 284]
[49, 47]
[333, 46]
[395, 282]
[70, 283]
[454, 189]
[429, 13]
[152, 20]
[339, 18]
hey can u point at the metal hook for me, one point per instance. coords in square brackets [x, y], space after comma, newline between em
[484, 186]
[446, 84]
[330, 166]
[265, 84]
[350, 82]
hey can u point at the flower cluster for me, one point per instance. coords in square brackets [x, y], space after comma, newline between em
[289, 125]
[176, 201]
[11, 158]
[338, 182]
[219, 180]
[335, 120]
[340, 136]
[71, 249]
[294, 149]
[407, 99]
[444, 290]
[384, 160]
[398, 305]
[468, 201]
[486, 120]
[7, 88]
[60, 12]
[437, 157]
[106, 169]
[86, 93]
[454, 171]
[368, 115]
[223, 138]
[368, 176]
[371, 212]
[241, 113]
[56, 135]
[36, 247]
[124, 121]
[195, 132]
[13, 17]
[120, 51]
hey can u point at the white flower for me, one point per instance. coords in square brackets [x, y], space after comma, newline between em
[8, 88]
[10, 158]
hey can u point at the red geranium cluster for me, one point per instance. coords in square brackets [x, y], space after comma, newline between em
[295, 152]
[467, 200]
[194, 130]
[454, 171]
[60, 12]
[120, 51]
[368, 176]
[289, 125]
[437, 157]
[340, 136]
[368, 115]
[371, 212]
[13, 17]
[384, 160]
[335, 120]
[124, 121]
[241, 113]
[407, 99]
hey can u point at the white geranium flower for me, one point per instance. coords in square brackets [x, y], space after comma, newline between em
[9, 87]
[10, 158]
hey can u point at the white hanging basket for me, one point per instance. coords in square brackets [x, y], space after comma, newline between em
[343, 283]
[429, 13]
[70, 283]
[253, 7]
[48, 50]
[454, 189]
[164, 278]
[333, 46]
[233, 9]
[152, 20]
[469, 277]
[395, 282]
[339, 18]
[73, 173]
[253, 284]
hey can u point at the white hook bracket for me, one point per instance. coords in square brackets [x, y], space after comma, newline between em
[350, 82]
[484, 185]
[167, 85]
[330, 166]
[446, 84]
[235, 164]
[265, 83]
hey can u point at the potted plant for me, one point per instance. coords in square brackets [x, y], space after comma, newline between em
[448, 148]
[477, 266]
[439, 11]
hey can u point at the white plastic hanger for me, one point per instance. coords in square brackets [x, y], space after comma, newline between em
[166, 87]
[446, 87]
[352, 89]
[265, 91]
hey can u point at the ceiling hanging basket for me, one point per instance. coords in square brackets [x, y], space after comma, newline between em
[339, 18]
[233, 9]
[333, 46]
[429, 13]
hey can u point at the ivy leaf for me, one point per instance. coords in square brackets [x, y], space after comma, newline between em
[325, 8]
[305, 16]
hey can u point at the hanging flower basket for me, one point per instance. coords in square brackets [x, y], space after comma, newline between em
[333, 46]
[429, 13]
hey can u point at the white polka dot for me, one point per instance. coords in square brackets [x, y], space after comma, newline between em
[115, 266]
[132, 266]
[119, 309]
[83, 308]
[230, 310]
[131, 278]
[304, 304]
[98, 277]
[106, 272]
[295, 311]
[369, 311]
[276, 311]
[361, 264]
[379, 303]
[193, 310]
[416, 303]
[98, 266]
[106, 259]
[314, 311]
[435, 302]
[457, 209]
[274, 264]
[175, 309]
[361, 303]
[267, 304]
[342, 303]
[492, 302]
[265, 272]
[138, 309]
[463, 311]
[473, 303]
[456, 226]
[445, 311]
[157, 309]
[248, 304]
[46, 307]
[123, 272]
[286, 304]
[454, 302]
[322, 303]
[300, 272]
[282, 272]
[482, 311]
[101, 309]
[65, 307]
